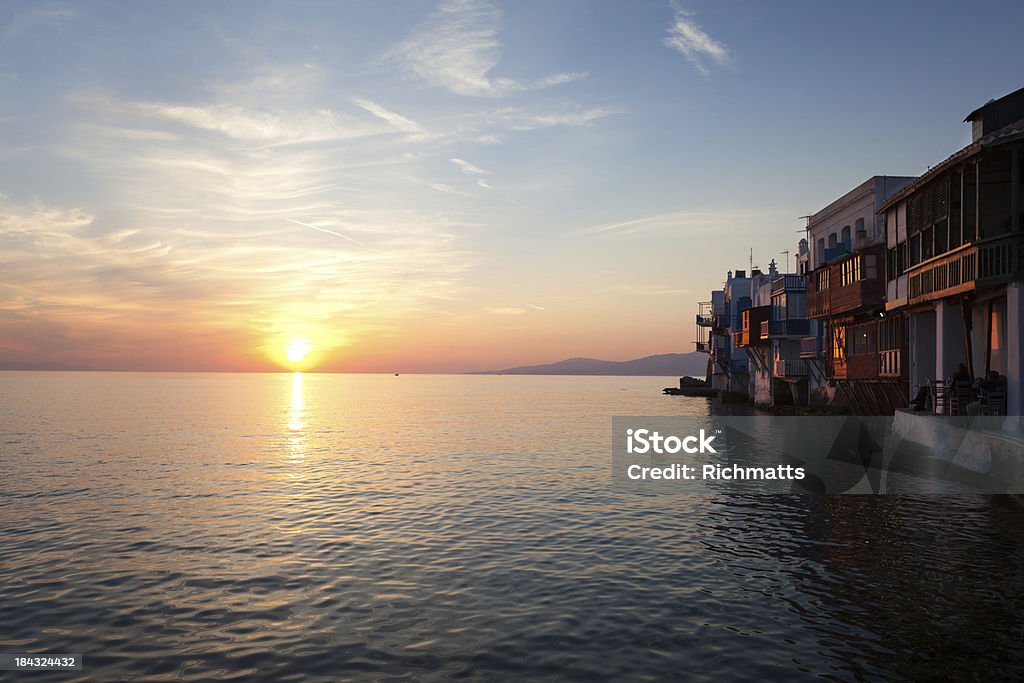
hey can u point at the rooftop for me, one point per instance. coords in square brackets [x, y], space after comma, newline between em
[1004, 135]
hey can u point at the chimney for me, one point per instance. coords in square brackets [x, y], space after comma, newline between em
[741, 274]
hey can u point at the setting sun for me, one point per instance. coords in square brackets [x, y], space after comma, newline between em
[297, 350]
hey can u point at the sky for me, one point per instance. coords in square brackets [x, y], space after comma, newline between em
[442, 186]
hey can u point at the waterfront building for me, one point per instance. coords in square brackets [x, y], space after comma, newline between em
[770, 333]
[856, 359]
[955, 260]
[710, 340]
[717, 322]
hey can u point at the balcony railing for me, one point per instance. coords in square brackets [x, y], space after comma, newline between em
[788, 283]
[790, 368]
[793, 327]
[1001, 259]
[889, 363]
[944, 275]
[705, 320]
[810, 347]
[996, 260]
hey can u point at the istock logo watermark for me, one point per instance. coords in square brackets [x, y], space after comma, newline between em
[645, 441]
[816, 455]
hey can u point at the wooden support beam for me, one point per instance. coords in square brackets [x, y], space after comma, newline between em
[1015, 189]
[977, 199]
[988, 337]
[965, 312]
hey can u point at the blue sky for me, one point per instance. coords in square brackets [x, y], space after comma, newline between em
[442, 186]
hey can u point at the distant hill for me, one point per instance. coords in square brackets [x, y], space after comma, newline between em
[665, 365]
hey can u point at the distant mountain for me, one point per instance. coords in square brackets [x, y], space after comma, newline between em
[665, 365]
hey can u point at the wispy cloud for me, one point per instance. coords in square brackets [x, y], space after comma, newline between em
[646, 290]
[253, 125]
[506, 310]
[37, 17]
[690, 222]
[700, 49]
[457, 48]
[468, 167]
[517, 119]
[252, 232]
[325, 230]
[396, 120]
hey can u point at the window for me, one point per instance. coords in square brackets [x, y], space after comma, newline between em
[896, 261]
[832, 241]
[820, 256]
[822, 279]
[779, 307]
[865, 338]
[858, 229]
[849, 271]
[890, 335]
[846, 237]
[870, 267]
[796, 305]
[927, 244]
[839, 343]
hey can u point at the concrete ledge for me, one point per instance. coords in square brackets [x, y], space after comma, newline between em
[980, 444]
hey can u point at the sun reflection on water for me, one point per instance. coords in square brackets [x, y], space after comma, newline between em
[296, 419]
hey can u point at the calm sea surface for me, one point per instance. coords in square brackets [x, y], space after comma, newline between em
[332, 527]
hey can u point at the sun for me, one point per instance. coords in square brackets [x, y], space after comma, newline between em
[297, 350]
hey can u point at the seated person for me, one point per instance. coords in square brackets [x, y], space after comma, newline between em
[993, 382]
[960, 375]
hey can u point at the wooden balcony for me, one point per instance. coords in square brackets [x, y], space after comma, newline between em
[1001, 259]
[818, 304]
[951, 273]
[868, 290]
[790, 368]
[860, 294]
[989, 262]
[753, 326]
